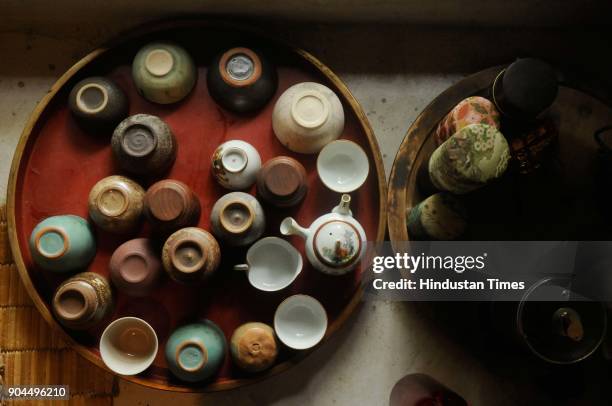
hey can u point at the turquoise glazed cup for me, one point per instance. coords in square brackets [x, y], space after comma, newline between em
[63, 243]
[163, 72]
[195, 352]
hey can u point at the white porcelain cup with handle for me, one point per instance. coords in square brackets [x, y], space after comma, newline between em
[272, 264]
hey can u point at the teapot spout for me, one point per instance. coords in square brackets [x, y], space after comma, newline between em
[344, 207]
[290, 227]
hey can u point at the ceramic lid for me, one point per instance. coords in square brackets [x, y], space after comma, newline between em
[337, 243]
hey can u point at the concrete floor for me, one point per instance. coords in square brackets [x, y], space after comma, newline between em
[394, 71]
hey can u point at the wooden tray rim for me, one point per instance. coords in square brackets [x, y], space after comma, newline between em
[150, 28]
[421, 128]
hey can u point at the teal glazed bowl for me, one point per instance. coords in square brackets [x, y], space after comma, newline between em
[163, 72]
[195, 352]
[63, 243]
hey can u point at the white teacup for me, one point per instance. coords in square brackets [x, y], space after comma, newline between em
[128, 346]
[343, 166]
[272, 264]
[300, 322]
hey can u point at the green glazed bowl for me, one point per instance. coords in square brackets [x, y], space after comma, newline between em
[63, 243]
[163, 72]
[195, 352]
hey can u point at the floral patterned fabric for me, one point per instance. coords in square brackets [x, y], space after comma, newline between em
[469, 159]
[473, 110]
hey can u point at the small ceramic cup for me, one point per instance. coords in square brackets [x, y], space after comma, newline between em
[163, 72]
[191, 255]
[343, 166]
[62, 243]
[300, 322]
[241, 80]
[282, 182]
[237, 219]
[83, 301]
[272, 264]
[253, 347]
[196, 351]
[171, 205]
[307, 116]
[235, 165]
[144, 145]
[116, 204]
[98, 104]
[135, 268]
[128, 346]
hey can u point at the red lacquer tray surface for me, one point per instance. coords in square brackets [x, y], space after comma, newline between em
[57, 164]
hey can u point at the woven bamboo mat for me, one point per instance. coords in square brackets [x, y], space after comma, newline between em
[32, 354]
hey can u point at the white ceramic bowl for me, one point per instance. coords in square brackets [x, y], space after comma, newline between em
[128, 346]
[343, 166]
[307, 116]
[235, 164]
[300, 322]
[272, 264]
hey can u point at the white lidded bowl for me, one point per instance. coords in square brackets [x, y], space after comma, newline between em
[272, 264]
[343, 166]
[128, 346]
[300, 322]
[307, 116]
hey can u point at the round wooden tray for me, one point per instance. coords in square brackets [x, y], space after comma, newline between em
[562, 200]
[56, 164]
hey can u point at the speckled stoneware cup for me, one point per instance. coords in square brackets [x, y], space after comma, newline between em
[471, 158]
[241, 80]
[144, 145]
[63, 243]
[253, 347]
[191, 255]
[83, 301]
[439, 217]
[237, 219]
[98, 104]
[135, 268]
[116, 204]
[164, 72]
[196, 351]
[473, 110]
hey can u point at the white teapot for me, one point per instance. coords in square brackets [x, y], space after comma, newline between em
[335, 242]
